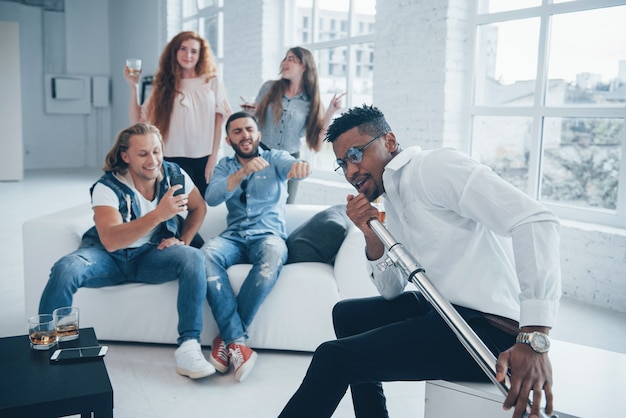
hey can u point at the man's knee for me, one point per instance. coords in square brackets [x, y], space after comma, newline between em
[327, 353]
[68, 267]
[275, 250]
[192, 257]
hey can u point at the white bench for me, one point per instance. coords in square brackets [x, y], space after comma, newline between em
[588, 382]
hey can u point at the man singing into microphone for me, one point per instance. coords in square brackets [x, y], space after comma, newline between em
[489, 249]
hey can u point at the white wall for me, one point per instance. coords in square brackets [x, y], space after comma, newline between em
[89, 38]
[11, 157]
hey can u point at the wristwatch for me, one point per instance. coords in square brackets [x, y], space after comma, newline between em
[538, 341]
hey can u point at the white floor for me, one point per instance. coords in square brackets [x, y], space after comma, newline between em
[144, 380]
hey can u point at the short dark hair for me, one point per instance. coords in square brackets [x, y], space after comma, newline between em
[239, 115]
[368, 119]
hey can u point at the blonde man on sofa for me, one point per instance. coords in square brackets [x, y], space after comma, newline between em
[139, 237]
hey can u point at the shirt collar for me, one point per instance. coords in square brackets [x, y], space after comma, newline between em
[402, 159]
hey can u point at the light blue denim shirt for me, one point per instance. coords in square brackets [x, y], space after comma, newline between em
[266, 194]
[286, 133]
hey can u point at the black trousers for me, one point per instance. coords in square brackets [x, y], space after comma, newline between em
[195, 167]
[403, 339]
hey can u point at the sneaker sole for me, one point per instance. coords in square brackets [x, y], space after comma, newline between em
[246, 368]
[195, 375]
[218, 366]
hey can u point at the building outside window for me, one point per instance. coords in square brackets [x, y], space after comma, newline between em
[340, 33]
[548, 106]
[205, 17]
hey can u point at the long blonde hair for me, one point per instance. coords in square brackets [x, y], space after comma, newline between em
[166, 82]
[113, 160]
[311, 89]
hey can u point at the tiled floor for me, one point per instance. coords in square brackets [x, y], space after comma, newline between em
[143, 376]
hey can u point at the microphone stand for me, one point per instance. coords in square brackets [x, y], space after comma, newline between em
[399, 257]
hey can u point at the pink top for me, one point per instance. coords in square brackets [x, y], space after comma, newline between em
[192, 125]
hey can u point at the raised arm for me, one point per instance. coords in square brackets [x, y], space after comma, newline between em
[134, 110]
[333, 107]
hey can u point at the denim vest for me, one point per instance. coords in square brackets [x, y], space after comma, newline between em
[129, 207]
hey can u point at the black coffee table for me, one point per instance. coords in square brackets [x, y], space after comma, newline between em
[31, 386]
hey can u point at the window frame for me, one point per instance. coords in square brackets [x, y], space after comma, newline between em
[538, 111]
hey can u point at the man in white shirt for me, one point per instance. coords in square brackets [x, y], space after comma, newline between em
[489, 249]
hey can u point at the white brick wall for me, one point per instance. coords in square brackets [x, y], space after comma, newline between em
[593, 262]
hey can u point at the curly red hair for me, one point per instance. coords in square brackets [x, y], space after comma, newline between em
[166, 82]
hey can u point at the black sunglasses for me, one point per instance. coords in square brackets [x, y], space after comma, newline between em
[243, 197]
[354, 155]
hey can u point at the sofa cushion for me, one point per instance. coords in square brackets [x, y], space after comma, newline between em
[320, 237]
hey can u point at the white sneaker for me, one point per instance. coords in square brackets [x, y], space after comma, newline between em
[190, 361]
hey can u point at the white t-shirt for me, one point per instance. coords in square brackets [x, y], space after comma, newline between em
[105, 196]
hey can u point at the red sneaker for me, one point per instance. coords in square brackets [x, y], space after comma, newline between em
[219, 355]
[243, 358]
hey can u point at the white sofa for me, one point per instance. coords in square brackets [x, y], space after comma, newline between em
[295, 316]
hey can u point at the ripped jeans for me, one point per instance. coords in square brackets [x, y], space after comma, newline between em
[266, 253]
[94, 267]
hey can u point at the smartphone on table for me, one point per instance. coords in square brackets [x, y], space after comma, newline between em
[178, 179]
[79, 353]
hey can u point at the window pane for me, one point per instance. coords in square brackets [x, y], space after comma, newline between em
[332, 20]
[364, 18]
[588, 66]
[304, 22]
[189, 8]
[507, 63]
[503, 143]
[208, 30]
[206, 3]
[581, 161]
[191, 25]
[331, 65]
[493, 6]
[362, 88]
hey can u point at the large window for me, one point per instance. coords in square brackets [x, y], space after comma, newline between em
[340, 33]
[548, 106]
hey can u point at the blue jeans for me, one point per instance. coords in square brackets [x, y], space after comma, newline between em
[94, 267]
[266, 253]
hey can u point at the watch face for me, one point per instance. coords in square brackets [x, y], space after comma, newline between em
[539, 342]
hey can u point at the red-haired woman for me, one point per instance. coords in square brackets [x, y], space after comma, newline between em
[188, 104]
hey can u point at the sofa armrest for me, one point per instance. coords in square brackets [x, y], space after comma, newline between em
[351, 272]
[46, 239]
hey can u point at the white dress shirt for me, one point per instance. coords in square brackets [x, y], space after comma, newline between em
[484, 244]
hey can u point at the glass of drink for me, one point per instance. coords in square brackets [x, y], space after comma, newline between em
[134, 66]
[66, 323]
[41, 332]
[248, 104]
